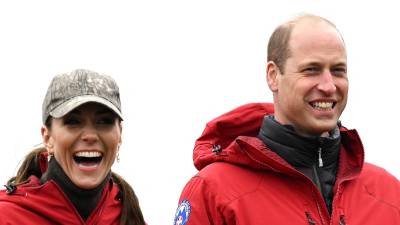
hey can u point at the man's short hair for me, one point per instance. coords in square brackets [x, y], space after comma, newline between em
[278, 45]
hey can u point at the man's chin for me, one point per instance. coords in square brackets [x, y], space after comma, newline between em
[323, 128]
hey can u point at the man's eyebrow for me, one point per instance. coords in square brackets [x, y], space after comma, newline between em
[315, 63]
[341, 64]
[310, 63]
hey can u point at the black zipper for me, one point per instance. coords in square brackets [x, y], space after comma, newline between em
[319, 164]
[320, 161]
[316, 178]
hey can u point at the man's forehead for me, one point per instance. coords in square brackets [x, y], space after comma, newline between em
[308, 35]
[313, 28]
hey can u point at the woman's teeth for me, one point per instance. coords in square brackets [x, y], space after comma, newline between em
[88, 157]
[88, 154]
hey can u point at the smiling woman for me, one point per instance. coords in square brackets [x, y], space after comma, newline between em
[71, 172]
[84, 142]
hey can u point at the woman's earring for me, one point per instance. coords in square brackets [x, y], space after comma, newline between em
[49, 156]
[118, 157]
[49, 153]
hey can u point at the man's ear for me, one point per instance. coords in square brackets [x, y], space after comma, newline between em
[47, 140]
[272, 76]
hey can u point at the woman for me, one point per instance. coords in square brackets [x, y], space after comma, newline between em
[69, 180]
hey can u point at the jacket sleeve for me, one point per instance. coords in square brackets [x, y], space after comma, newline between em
[198, 204]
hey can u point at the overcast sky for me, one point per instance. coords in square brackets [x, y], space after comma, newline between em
[179, 64]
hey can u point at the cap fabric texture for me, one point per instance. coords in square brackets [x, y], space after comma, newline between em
[68, 91]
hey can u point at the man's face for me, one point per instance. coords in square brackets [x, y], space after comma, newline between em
[312, 92]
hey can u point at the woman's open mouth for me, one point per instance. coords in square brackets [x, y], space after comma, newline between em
[88, 159]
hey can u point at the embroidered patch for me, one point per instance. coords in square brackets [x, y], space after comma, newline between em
[182, 213]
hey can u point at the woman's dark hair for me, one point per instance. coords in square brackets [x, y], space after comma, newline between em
[130, 213]
[30, 166]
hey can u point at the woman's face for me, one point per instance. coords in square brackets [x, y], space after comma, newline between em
[85, 143]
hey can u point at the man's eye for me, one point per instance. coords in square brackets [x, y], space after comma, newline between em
[311, 70]
[339, 71]
[71, 121]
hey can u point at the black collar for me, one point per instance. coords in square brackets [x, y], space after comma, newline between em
[297, 150]
[84, 200]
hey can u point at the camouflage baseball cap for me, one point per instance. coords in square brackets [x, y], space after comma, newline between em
[68, 91]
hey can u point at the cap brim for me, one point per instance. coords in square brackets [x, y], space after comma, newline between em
[77, 101]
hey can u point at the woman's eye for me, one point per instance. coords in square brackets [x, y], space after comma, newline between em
[106, 121]
[71, 121]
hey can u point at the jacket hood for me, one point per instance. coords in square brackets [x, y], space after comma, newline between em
[217, 142]
[48, 202]
[232, 138]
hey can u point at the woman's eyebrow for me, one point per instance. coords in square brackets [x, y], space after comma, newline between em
[103, 111]
[75, 111]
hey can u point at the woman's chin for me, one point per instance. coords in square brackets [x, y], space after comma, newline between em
[87, 178]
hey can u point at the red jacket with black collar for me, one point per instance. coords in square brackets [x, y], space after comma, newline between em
[242, 182]
[45, 204]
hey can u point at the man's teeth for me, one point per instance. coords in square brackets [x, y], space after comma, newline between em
[322, 105]
[88, 154]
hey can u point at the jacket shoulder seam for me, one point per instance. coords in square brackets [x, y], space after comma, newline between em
[381, 200]
[243, 194]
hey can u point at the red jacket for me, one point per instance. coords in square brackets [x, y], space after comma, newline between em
[33, 203]
[242, 182]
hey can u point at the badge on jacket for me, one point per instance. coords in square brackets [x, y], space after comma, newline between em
[182, 213]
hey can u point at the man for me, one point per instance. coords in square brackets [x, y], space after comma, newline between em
[291, 162]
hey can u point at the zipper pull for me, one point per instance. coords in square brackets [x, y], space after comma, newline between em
[321, 163]
[10, 189]
[310, 219]
[341, 220]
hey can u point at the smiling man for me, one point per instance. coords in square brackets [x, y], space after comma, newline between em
[291, 162]
[310, 86]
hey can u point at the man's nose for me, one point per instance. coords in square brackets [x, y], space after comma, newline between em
[326, 83]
